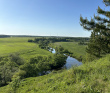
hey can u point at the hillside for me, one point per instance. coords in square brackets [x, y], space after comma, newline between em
[91, 77]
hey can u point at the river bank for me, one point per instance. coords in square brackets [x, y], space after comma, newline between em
[70, 61]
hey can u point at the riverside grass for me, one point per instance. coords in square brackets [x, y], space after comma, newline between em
[21, 46]
[91, 77]
[77, 50]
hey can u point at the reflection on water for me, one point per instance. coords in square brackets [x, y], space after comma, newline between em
[52, 50]
[70, 62]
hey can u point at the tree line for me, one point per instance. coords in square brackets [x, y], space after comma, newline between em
[44, 42]
[59, 39]
[4, 36]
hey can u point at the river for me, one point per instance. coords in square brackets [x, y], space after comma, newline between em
[70, 61]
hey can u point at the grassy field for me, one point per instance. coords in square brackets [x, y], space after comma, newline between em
[21, 46]
[77, 50]
[91, 77]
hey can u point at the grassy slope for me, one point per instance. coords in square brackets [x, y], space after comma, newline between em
[91, 77]
[77, 50]
[21, 46]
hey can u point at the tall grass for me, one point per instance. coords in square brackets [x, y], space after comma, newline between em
[93, 77]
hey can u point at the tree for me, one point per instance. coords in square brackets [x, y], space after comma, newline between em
[58, 61]
[16, 58]
[7, 70]
[30, 70]
[100, 32]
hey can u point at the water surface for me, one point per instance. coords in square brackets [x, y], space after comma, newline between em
[70, 62]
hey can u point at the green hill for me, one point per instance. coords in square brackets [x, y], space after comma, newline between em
[93, 77]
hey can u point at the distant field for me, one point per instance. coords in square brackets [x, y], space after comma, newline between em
[77, 50]
[28, 50]
[21, 46]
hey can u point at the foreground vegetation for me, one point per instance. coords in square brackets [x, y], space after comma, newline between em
[20, 69]
[23, 59]
[88, 78]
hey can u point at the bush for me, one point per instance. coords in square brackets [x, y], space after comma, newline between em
[30, 40]
[30, 69]
[59, 61]
[16, 58]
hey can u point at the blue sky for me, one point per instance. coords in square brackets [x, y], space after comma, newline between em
[46, 17]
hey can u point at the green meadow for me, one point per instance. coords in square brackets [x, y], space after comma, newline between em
[77, 50]
[21, 46]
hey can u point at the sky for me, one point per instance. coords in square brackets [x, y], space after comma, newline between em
[46, 17]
